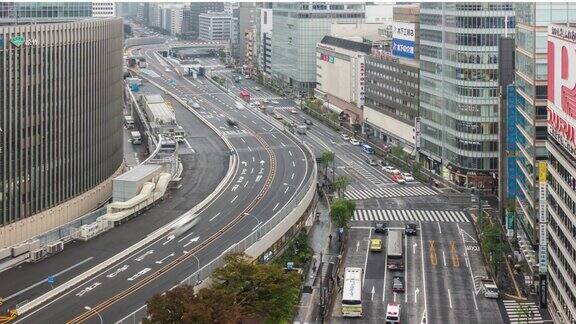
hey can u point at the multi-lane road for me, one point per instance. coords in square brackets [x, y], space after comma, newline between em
[272, 168]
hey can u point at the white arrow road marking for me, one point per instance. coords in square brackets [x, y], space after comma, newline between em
[115, 273]
[262, 162]
[244, 163]
[240, 179]
[166, 257]
[258, 178]
[372, 292]
[243, 172]
[234, 199]
[140, 273]
[358, 247]
[275, 206]
[191, 241]
[212, 218]
[261, 171]
[246, 184]
[168, 239]
[141, 257]
[191, 233]
[414, 248]
[87, 289]
[394, 296]
[234, 188]
[416, 292]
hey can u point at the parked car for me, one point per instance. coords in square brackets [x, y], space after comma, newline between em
[411, 229]
[277, 115]
[398, 284]
[390, 169]
[345, 137]
[257, 88]
[354, 142]
[376, 245]
[398, 179]
[407, 176]
[380, 227]
[308, 122]
[371, 162]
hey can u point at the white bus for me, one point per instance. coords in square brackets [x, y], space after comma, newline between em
[352, 293]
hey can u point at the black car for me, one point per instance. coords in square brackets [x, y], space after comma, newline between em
[380, 227]
[411, 229]
[398, 284]
[308, 122]
[231, 122]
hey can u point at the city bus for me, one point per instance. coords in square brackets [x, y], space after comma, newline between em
[367, 149]
[395, 251]
[352, 293]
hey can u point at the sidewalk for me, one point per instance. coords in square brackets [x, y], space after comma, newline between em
[309, 305]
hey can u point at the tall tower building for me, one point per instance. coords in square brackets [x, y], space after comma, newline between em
[197, 8]
[103, 9]
[298, 27]
[459, 88]
[26, 12]
[532, 21]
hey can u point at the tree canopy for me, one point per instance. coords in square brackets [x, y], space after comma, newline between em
[342, 210]
[240, 290]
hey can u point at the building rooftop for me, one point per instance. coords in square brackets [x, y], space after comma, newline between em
[156, 98]
[139, 172]
[347, 44]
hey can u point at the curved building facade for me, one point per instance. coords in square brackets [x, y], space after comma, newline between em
[61, 102]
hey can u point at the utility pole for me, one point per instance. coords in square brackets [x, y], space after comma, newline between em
[322, 306]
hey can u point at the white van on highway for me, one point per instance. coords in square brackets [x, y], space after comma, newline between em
[393, 314]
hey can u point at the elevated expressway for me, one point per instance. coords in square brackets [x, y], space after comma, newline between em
[272, 185]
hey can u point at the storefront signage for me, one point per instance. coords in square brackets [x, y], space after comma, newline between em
[325, 47]
[542, 217]
[403, 39]
[511, 136]
[562, 85]
[327, 58]
[361, 80]
[1, 42]
[382, 55]
[17, 40]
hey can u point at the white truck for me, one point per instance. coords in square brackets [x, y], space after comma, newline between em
[136, 137]
[489, 288]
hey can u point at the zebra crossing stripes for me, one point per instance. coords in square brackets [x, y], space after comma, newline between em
[522, 312]
[365, 173]
[452, 216]
[399, 191]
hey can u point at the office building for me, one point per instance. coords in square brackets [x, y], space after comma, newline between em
[215, 26]
[298, 27]
[171, 19]
[143, 13]
[459, 93]
[532, 21]
[246, 13]
[103, 9]
[264, 39]
[560, 213]
[197, 8]
[61, 122]
[26, 12]
[340, 74]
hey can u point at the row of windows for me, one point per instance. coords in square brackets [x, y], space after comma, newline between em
[562, 306]
[391, 97]
[406, 115]
[467, 162]
[560, 257]
[371, 75]
[391, 68]
[482, 22]
[466, 74]
[393, 87]
[472, 39]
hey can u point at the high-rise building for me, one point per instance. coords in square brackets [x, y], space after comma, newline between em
[26, 12]
[532, 21]
[61, 121]
[215, 26]
[197, 8]
[298, 27]
[103, 9]
[459, 93]
[246, 23]
[127, 9]
[557, 177]
[264, 39]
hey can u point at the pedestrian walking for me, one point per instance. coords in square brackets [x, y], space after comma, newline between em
[330, 238]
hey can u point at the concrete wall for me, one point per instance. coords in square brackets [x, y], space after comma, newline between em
[390, 125]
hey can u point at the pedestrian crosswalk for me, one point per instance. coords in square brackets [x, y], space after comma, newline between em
[397, 191]
[365, 173]
[415, 215]
[522, 312]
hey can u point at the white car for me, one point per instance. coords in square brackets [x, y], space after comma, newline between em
[345, 137]
[391, 170]
[195, 105]
[239, 105]
[293, 111]
[407, 176]
[354, 142]
[257, 88]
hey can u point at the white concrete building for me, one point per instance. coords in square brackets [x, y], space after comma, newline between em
[340, 76]
[215, 26]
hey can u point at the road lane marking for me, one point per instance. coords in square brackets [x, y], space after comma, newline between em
[115, 273]
[293, 163]
[249, 149]
[246, 183]
[292, 177]
[432, 253]
[439, 228]
[444, 258]
[234, 199]
[454, 253]
[243, 141]
[166, 257]
[142, 256]
[290, 152]
[140, 273]
[405, 270]
[87, 289]
[285, 191]
[44, 281]
[449, 298]
[466, 257]
[191, 241]
[423, 272]
[275, 206]
[211, 219]
[367, 251]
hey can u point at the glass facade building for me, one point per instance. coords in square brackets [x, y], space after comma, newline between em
[298, 27]
[532, 21]
[459, 95]
[24, 12]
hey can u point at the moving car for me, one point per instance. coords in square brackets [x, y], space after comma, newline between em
[410, 229]
[354, 142]
[398, 179]
[371, 162]
[489, 288]
[301, 129]
[390, 169]
[376, 245]
[293, 111]
[257, 88]
[308, 122]
[195, 105]
[407, 176]
[393, 314]
[277, 115]
[345, 137]
[231, 122]
[239, 105]
[380, 227]
[398, 284]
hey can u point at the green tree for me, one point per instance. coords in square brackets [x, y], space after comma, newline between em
[342, 210]
[340, 184]
[326, 159]
[492, 246]
[170, 307]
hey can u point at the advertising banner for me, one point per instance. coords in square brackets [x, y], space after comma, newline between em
[542, 217]
[403, 39]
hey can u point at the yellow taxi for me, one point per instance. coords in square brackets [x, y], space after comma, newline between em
[376, 245]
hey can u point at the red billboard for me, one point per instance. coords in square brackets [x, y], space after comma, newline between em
[562, 85]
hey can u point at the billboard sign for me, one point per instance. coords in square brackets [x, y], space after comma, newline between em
[562, 86]
[361, 81]
[403, 39]
[542, 216]
[511, 137]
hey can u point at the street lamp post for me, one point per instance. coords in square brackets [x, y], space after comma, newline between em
[258, 224]
[88, 308]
